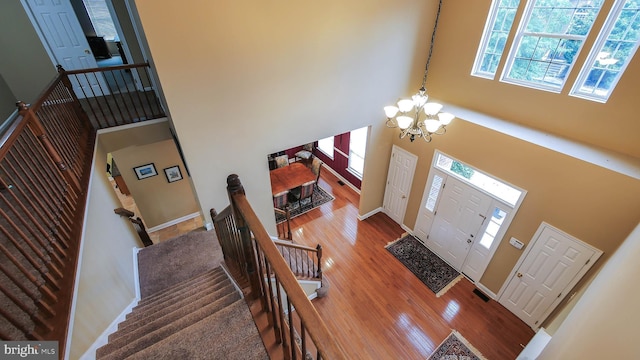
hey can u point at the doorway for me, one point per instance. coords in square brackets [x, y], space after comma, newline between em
[464, 214]
[552, 264]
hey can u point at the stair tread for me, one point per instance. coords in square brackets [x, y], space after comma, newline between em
[148, 318]
[188, 292]
[213, 274]
[125, 346]
[229, 334]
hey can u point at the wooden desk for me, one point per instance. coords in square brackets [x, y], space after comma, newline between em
[290, 177]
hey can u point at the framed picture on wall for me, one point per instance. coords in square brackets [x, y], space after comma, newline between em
[145, 171]
[173, 173]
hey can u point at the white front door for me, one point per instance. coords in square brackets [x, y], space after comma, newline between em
[57, 23]
[461, 214]
[553, 264]
[396, 195]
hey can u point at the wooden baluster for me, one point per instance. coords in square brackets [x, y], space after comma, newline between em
[303, 340]
[37, 319]
[285, 341]
[41, 286]
[46, 308]
[263, 290]
[235, 187]
[44, 272]
[59, 252]
[39, 190]
[319, 257]
[38, 206]
[292, 330]
[31, 229]
[274, 310]
[37, 128]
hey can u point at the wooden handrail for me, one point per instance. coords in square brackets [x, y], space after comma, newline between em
[311, 320]
[284, 228]
[294, 245]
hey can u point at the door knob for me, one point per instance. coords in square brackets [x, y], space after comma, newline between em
[519, 275]
[468, 241]
[404, 196]
[87, 51]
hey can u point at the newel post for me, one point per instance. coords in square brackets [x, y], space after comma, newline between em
[38, 130]
[234, 187]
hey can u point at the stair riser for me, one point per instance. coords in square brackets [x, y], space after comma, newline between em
[135, 342]
[169, 312]
[213, 276]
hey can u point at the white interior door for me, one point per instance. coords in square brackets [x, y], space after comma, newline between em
[396, 195]
[553, 264]
[58, 25]
[461, 214]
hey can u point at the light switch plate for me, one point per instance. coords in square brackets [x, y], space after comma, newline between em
[516, 243]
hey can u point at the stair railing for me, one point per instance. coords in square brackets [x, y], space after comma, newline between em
[284, 228]
[137, 224]
[277, 287]
[45, 159]
[304, 261]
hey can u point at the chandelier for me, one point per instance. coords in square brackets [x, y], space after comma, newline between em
[416, 117]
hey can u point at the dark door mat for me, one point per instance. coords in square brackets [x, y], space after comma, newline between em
[481, 295]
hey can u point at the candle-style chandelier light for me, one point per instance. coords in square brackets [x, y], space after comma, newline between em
[416, 117]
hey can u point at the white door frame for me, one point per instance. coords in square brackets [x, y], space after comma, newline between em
[544, 225]
[395, 150]
[429, 216]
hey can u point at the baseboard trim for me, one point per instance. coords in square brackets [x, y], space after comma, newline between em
[353, 187]
[370, 213]
[103, 339]
[173, 222]
[486, 291]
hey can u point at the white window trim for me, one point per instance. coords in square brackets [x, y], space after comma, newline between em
[617, 8]
[484, 42]
[520, 33]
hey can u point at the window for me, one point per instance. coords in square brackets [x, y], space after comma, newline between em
[488, 183]
[613, 50]
[548, 41]
[357, 148]
[326, 146]
[494, 38]
[492, 228]
[101, 19]
[549, 38]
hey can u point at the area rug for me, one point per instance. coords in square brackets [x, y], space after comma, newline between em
[427, 266]
[320, 197]
[456, 347]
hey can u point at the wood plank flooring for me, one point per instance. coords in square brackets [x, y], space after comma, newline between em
[377, 308]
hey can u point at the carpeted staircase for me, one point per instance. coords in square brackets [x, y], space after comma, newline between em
[203, 317]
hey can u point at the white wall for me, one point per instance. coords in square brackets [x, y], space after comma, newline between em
[604, 322]
[105, 278]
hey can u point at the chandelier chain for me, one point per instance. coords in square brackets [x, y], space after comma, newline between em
[433, 38]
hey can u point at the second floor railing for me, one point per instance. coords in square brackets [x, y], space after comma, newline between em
[45, 160]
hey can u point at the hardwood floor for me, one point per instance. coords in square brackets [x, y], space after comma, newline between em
[377, 308]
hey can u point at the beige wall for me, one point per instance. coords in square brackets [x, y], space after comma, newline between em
[604, 323]
[158, 200]
[105, 275]
[596, 205]
[612, 125]
[253, 78]
[24, 63]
